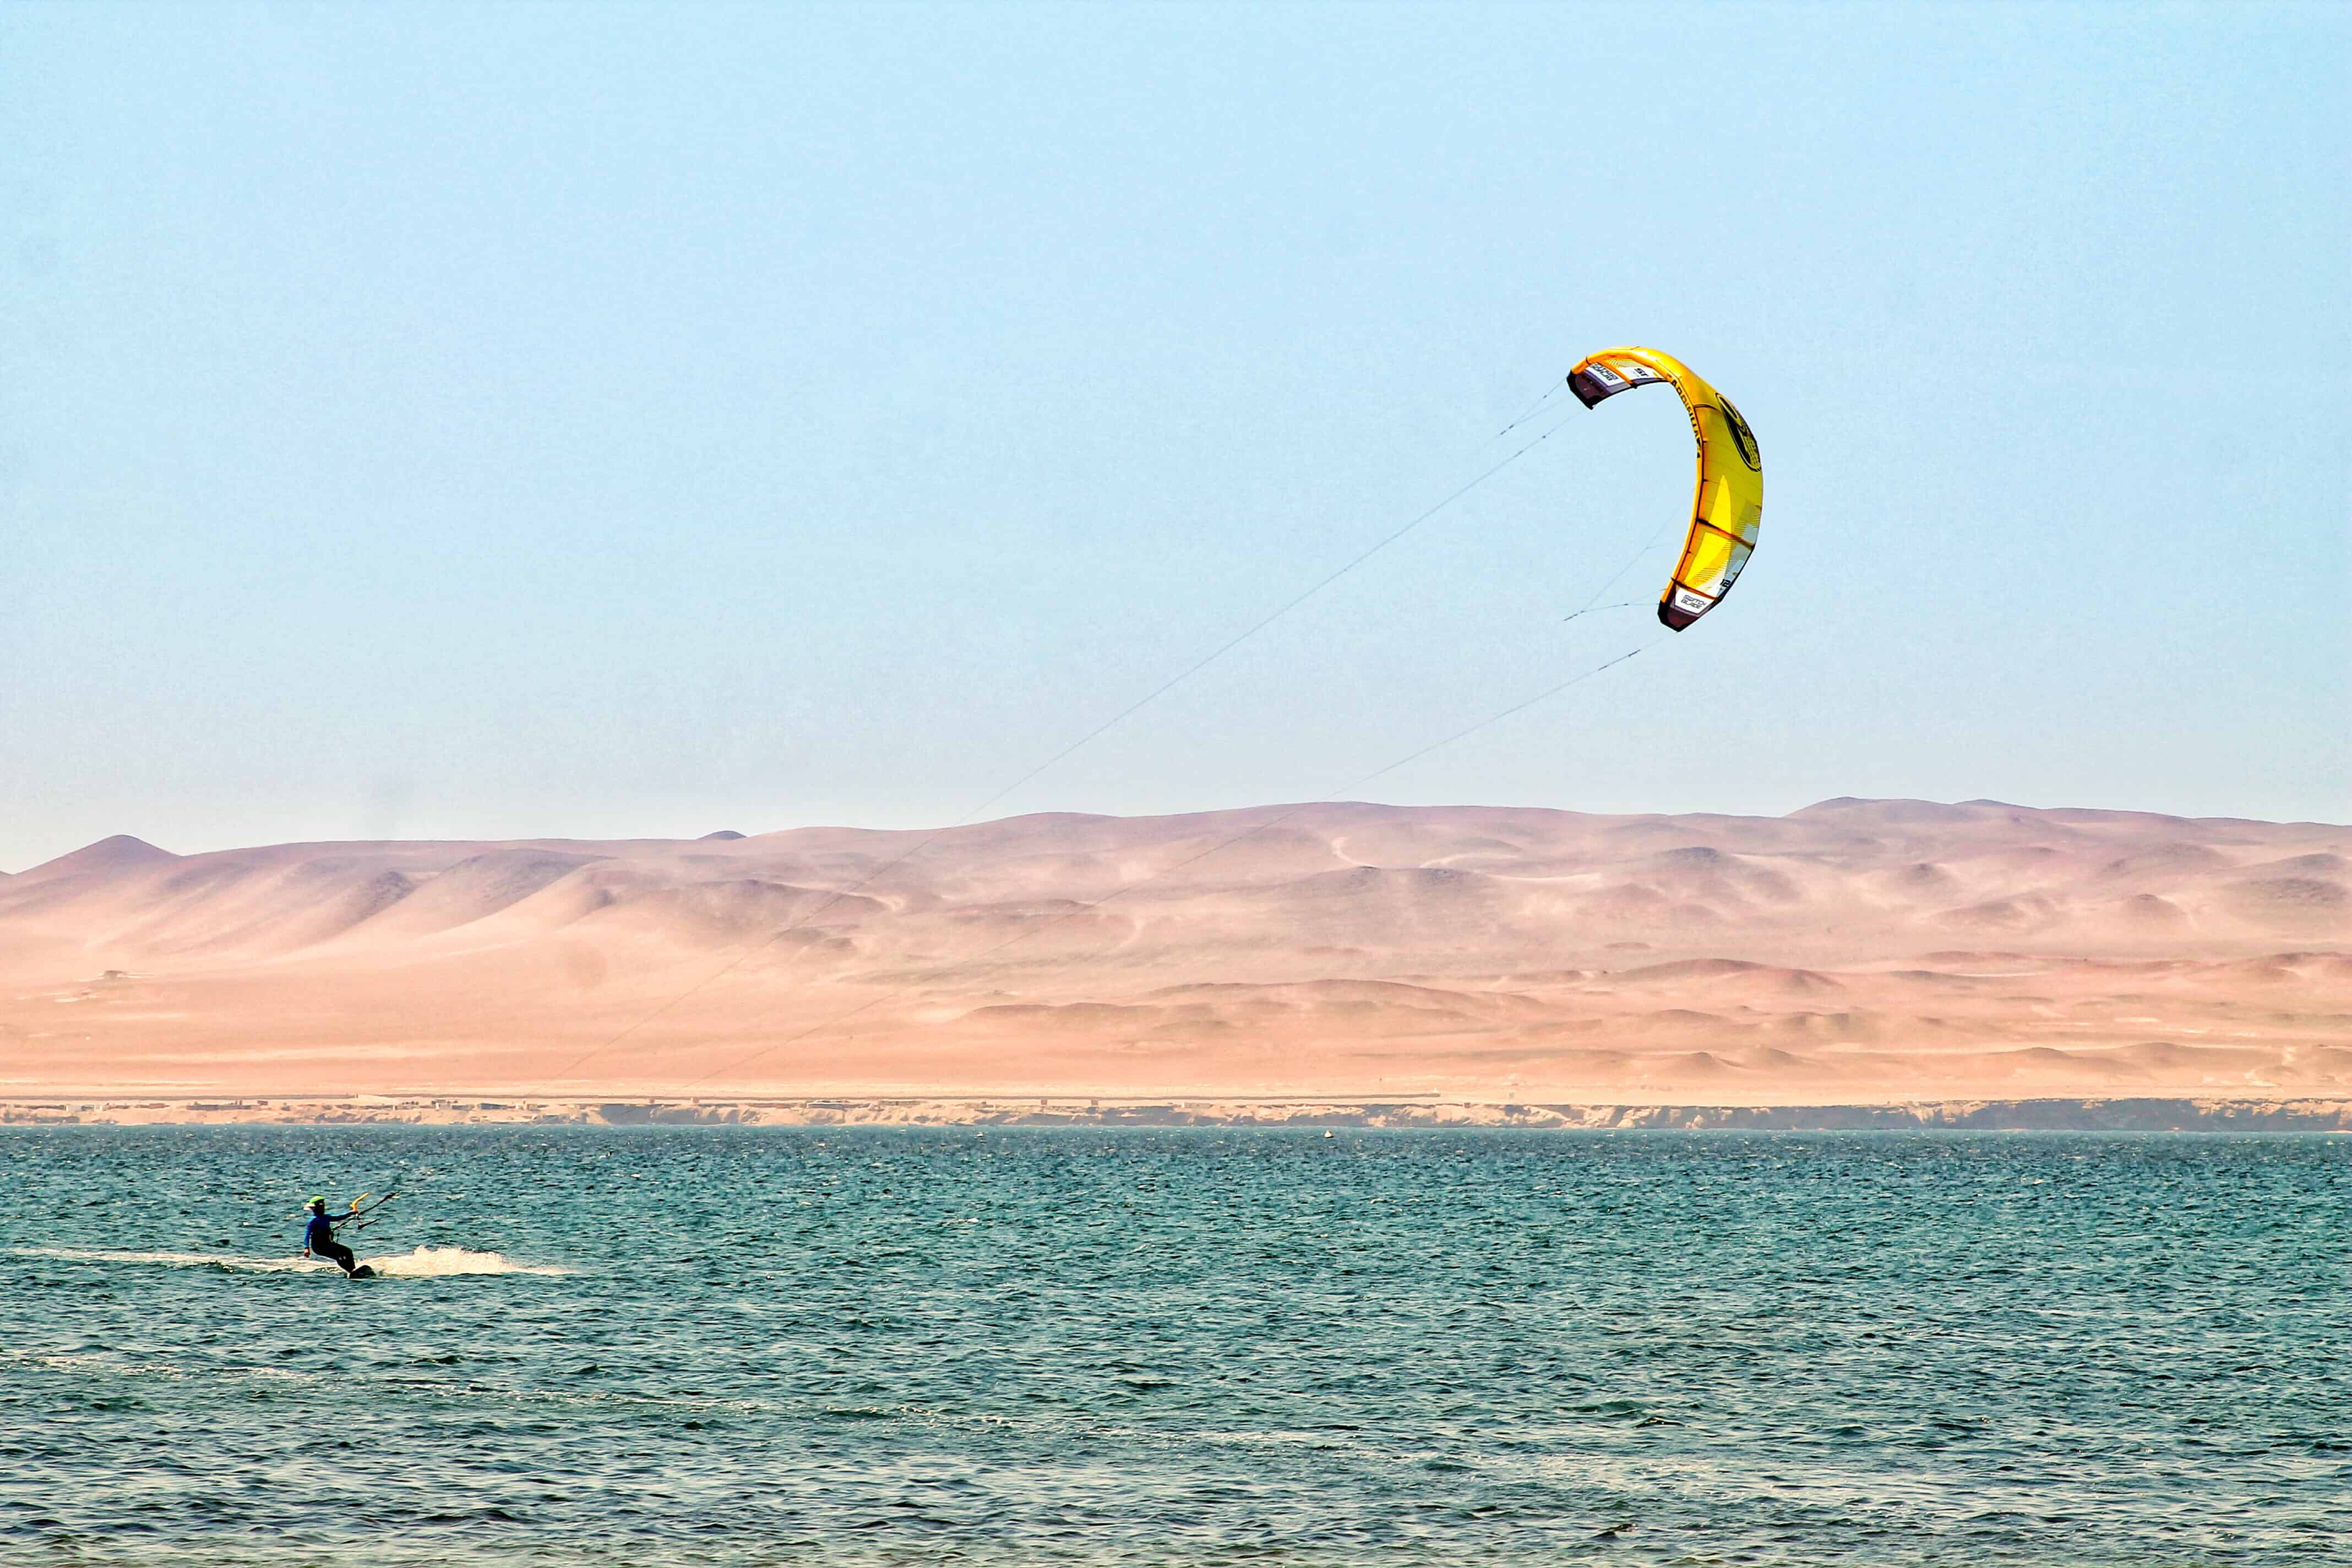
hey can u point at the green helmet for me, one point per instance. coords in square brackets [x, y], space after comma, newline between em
[317, 1201]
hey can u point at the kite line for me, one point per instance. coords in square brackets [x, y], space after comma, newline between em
[1165, 687]
[1167, 871]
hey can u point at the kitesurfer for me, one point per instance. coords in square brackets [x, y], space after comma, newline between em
[318, 1237]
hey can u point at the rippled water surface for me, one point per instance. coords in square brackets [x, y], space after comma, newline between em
[695, 1346]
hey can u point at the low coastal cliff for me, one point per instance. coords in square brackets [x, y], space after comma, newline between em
[2104, 1115]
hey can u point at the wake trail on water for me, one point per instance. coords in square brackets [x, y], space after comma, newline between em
[423, 1263]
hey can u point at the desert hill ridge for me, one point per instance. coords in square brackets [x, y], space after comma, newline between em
[1852, 948]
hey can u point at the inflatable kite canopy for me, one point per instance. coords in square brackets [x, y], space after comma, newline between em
[1729, 500]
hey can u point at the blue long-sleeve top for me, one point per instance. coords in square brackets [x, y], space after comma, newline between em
[320, 1231]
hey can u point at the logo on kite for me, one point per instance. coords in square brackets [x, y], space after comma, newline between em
[1741, 433]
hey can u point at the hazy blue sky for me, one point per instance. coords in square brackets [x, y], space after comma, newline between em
[600, 421]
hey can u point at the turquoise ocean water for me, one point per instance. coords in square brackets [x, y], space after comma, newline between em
[784, 1346]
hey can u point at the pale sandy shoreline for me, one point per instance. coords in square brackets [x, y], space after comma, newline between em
[2150, 1114]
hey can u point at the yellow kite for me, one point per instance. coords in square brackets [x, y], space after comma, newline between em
[1729, 500]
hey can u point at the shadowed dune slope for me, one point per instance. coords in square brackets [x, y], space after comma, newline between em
[1855, 948]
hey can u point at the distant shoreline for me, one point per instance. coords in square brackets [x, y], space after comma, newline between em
[2136, 1114]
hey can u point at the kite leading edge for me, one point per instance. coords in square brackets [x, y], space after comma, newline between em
[1730, 498]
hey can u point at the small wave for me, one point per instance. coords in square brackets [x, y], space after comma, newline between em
[439, 1262]
[424, 1263]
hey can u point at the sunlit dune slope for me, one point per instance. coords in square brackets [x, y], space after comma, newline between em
[1855, 949]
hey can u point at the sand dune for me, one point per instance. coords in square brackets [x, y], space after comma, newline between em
[1856, 949]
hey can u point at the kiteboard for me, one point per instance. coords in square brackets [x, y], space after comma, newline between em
[362, 1272]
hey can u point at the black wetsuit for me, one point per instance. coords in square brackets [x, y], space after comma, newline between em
[318, 1236]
